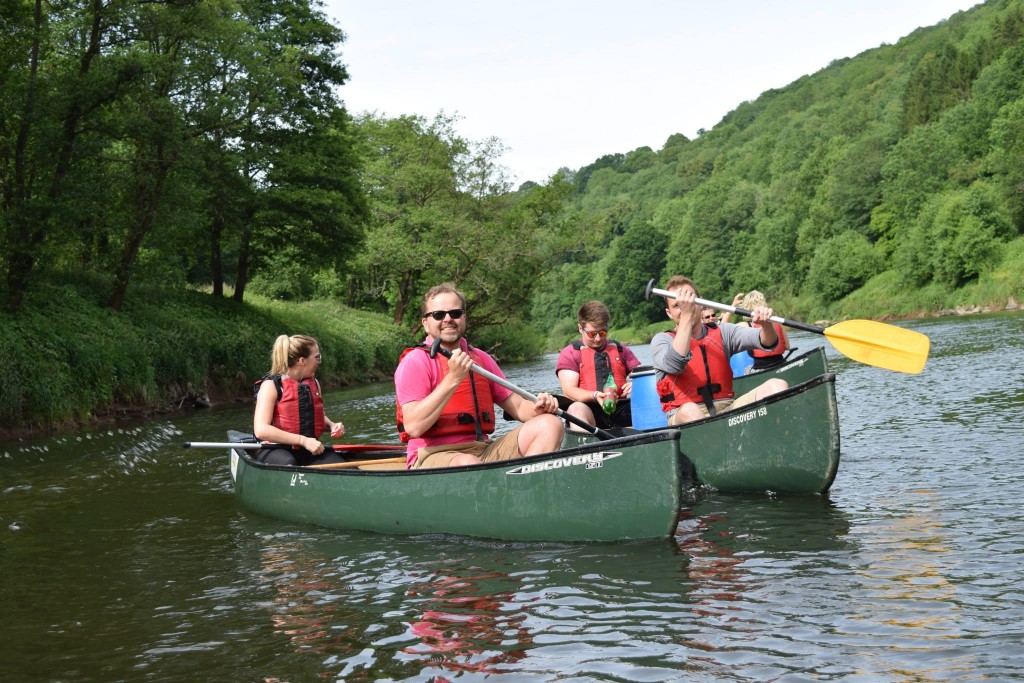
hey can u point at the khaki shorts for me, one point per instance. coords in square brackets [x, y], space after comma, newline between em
[723, 405]
[503, 448]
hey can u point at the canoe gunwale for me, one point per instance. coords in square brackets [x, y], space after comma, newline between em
[637, 439]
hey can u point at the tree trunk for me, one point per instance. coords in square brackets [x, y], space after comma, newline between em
[149, 190]
[405, 284]
[216, 264]
[242, 277]
[28, 227]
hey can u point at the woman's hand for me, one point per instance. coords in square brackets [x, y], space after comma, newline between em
[337, 430]
[314, 446]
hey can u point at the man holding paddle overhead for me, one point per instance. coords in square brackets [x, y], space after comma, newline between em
[445, 410]
[692, 360]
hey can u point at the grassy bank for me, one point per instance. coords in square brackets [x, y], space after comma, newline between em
[68, 360]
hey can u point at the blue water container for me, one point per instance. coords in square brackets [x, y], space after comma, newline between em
[739, 362]
[646, 405]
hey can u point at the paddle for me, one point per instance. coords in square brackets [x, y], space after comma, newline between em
[865, 341]
[355, 463]
[256, 446]
[600, 433]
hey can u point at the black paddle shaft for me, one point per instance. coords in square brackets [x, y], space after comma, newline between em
[435, 349]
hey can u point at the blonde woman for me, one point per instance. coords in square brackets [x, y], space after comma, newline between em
[763, 360]
[290, 407]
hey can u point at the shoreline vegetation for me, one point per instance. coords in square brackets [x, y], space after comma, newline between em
[71, 363]
[139, 184]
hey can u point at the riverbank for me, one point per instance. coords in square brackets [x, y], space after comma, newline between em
[70, 362]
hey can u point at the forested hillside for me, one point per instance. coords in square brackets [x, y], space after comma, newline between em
[166, 152]
[901, 169]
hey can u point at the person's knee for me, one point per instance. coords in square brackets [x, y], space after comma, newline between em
[582, 412]
[688, 412]
[772, 386]
[540, 435]
[546, 425]
[464, 460]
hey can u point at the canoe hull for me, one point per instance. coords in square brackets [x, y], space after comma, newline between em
[626, 488]
[787, 443]
[796, 370]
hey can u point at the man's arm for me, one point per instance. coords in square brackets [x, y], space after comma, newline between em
[570, 383]
[420, 415]
[567, 369]
[522, 410]
[737, 338]
[666, 360]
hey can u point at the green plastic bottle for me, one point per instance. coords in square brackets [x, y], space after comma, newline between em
[608, 405]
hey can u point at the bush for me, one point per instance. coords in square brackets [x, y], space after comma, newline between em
[66, 356]
[510, 342]
[842, 264]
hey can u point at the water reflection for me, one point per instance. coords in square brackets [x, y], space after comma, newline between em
[755, 523]
[468, 622]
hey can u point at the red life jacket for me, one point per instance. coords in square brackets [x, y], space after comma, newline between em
[464, 411]
[706, 378]
[300, 406]
[592, 377]
[777, 351]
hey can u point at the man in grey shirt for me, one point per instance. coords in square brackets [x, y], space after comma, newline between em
[692, 361]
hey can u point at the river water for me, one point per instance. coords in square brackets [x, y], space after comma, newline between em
[125, 557]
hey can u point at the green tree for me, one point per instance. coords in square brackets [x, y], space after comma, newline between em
[409, 177]
[955, 237]
[841, 265]
[704, 246]
[635, 258]
[57, 78]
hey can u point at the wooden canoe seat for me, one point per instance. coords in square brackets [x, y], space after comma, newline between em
[383, 466]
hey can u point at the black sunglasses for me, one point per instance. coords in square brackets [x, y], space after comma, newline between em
[455, 313]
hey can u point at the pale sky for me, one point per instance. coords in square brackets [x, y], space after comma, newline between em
[564, 82]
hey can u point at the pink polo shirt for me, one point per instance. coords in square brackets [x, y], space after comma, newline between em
[418, 375]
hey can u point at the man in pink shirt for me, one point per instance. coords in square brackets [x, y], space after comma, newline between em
[445, 411]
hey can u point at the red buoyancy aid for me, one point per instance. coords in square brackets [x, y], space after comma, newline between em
[300, 406]
[593, 378]
[777, 351]
[462, 412]
[708, 357]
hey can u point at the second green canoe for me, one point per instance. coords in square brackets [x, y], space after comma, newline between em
[786, 443]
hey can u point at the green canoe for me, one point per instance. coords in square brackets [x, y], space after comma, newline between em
[795, 370]
[624, 488]
[786, 443]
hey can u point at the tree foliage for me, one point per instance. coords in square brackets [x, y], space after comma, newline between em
[905, 158]
[138, 133]
[206, 144]
[442, 210]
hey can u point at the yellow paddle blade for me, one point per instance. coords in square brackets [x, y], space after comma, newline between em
[881, 345]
